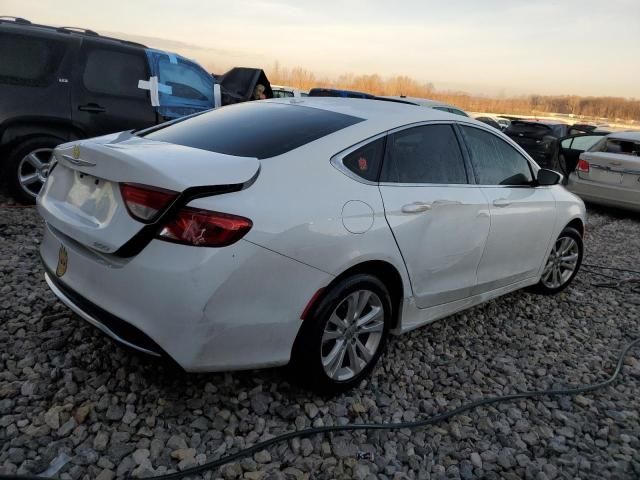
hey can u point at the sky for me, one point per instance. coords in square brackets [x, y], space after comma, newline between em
[490, 47]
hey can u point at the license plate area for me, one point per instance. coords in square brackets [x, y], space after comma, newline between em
[95, 197]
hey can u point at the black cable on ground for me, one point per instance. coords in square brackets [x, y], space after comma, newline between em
[214, 464]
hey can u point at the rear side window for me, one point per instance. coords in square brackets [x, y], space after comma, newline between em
[365, 162]
[426, 154]
[253, 129]
[494, 160]
[113, 72]
[27, 60]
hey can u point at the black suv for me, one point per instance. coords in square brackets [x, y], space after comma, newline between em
[62, 84]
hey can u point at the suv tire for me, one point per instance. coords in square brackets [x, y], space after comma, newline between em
[28, 166]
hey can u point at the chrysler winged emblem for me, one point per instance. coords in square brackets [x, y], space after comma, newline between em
[76, 152]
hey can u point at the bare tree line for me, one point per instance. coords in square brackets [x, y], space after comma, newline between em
[604, 108]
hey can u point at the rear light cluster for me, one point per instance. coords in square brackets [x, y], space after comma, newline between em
[583, 165]
[188, 226]
[145, 203]
[204, 228]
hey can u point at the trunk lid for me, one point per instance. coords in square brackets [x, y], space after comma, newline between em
[618, 169]
[82, 198]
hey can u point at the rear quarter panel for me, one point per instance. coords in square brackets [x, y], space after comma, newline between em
[297, 203]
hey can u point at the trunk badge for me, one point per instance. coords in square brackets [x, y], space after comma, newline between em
[63, 260]
[75, 159]
[76, 152]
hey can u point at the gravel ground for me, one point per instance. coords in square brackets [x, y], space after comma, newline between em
[67, 390]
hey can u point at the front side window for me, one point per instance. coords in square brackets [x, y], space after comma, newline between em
[186, 80]
[425, 154]
[494, 160]
[112, 72]
[585, 142]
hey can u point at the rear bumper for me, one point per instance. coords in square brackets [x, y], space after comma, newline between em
[599, 193]
[207, 309]
[114, 327]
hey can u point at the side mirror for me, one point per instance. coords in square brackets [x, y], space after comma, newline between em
[548, 177]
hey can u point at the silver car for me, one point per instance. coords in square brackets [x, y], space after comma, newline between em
[608, 173]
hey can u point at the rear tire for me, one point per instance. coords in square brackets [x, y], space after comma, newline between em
[340, 342]
[28, 166]
[563, 263]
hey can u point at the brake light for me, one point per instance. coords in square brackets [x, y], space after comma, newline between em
[583, 165]
[204, 228]
[144, 203]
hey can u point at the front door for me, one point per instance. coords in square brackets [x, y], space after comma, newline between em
[522, 215]
[440, 221]
[106, 97]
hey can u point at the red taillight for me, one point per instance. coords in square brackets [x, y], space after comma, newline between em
[204, 228]
[144, 202]
[583, 166]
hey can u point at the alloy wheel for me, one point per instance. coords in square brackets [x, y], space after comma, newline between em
[33, 170]
[352, 335]
[562, 262]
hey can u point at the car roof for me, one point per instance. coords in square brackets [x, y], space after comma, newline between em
[423, 102]
[25, 26]
[632, 135]
[385, 114]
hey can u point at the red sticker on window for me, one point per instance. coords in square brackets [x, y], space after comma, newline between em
[362, 163]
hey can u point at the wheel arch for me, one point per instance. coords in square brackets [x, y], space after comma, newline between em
[388, 274]
[576, 224]
[21, 129]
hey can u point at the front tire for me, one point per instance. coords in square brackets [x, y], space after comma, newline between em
[562, 264]
[340, 343]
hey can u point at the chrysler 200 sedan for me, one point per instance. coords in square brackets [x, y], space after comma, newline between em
[299, 232]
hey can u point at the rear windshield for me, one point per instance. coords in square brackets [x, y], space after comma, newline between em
[253, 129]
[527, 128]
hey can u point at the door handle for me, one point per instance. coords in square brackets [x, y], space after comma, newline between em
[92, 107]
[501, 202]
[438, 203]
[416, 207]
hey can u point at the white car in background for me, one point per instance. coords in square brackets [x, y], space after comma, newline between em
[425, 102]
[280, 91]
[300, 232]
[608, 173]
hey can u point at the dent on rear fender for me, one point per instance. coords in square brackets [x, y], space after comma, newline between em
[256, 311]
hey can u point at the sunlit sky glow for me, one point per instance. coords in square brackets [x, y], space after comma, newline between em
[493, 47]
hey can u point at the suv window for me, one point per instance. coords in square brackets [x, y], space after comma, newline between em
[253, 129]
[366, 161]
[112, 72]
[426, 154]
[186, 80]
[494, 160]
[28, 60]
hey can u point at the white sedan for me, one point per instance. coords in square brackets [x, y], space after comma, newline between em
[302, 233]
[608, 173]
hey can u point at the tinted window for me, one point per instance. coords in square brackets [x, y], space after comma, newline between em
[112, 72]
[29, 60]
[365, 161]
[428, 154]
[253, 129]
[494, 160]
[282, 93]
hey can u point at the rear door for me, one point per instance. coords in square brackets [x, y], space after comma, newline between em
[522, 216]
[106, 97]
[440, 221]
[572, 146]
